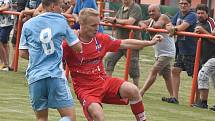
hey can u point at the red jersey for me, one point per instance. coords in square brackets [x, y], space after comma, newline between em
[87, 68]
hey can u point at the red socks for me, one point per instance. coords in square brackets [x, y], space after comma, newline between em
[138, 110]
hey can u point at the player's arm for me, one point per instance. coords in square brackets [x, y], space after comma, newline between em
[138, 44]
[24, 53]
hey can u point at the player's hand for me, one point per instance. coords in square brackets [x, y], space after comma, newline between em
[109, 19]
[157, 38]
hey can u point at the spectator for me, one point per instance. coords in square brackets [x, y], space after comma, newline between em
[34, 8]
[205, 25]
[20, 7]
[69, 6]
[41, 41]
[6, 25]
[92, 86]
[184, 20]
[164, 51]
[80, 4]
[129, 13]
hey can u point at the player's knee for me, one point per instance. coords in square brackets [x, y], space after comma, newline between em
[130, 91]
[97, 115]
[133, 91]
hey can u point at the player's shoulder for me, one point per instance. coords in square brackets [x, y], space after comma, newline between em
[104, 37]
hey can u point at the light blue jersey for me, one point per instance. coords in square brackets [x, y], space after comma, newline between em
[42, 36]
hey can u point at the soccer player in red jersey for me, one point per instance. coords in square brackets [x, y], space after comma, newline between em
[91, 84]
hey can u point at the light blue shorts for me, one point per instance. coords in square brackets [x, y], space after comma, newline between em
[50, 93]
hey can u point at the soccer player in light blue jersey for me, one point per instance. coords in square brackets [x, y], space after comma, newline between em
[41, 43]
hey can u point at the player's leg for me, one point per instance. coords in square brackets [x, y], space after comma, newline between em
[67, 113]
[130, 91]
[42, 115]
[96, 112]
[37, 92]
[91, 106]
[60, 97]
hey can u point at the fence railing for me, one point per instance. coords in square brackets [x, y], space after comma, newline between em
[198, 51]
[197, 58]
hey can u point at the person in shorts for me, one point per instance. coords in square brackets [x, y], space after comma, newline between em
[91, 84]
[164, 51]
[6, 25]
[184, 20]
[205, 25]
[129, 13]
[40, 43]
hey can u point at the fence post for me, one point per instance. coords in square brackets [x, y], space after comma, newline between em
[19, 27]
[195, 72]
[128, 57]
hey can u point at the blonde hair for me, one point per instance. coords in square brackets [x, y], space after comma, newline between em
[85, 13]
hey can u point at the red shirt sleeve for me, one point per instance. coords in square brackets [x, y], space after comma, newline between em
[111, 44]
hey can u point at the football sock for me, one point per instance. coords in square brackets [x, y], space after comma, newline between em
[137, 108]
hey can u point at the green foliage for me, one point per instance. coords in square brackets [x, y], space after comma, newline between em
[15, 104]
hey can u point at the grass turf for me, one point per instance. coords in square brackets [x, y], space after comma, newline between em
[15, 104]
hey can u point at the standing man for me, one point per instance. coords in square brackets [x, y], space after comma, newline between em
[6, 25]
[130, 13]
[91, 84]
[40, 43]
[184, 20]
[205, 25]
[164, 51]
[20, 7]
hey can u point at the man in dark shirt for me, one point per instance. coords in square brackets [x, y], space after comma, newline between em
[205, 25]
[184, 20]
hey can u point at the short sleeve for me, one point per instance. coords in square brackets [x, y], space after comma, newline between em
[174, 19]
[191, 18]
[23, 40]
[71, 38]
[112, 44]
[94, 4]
[136, 13]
